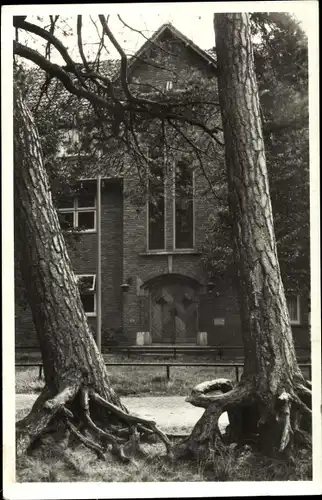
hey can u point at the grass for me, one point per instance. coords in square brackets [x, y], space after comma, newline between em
[52, 463]
[145, 381]
[131, 381]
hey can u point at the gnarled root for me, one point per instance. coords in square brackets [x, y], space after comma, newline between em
[75, 405]
[206, 436]
[131, 419]
[41, 415]
[268, 422]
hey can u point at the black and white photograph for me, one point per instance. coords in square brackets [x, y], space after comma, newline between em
[161, 258]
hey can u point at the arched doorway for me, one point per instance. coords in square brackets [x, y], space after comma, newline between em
[173, 310]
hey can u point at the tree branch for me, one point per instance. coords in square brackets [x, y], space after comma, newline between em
[18, 22]
[124, 78]
[80, 43]
[146, 38]
[56, 71]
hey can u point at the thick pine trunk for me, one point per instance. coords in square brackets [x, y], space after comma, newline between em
[267, 405]
[68, 349]
[267, 335]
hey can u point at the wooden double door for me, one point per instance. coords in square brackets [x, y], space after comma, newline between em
[173, 314]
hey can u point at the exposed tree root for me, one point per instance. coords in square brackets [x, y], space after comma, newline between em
[133, 419]
[66, 394]
[284, 415]
[35, 423]
[269, 422]
[75, 404]
[206, 436]
[86, 441]
[265, 421]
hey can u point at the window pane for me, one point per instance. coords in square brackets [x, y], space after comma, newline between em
[69, 141]
[156, 210]
[86, 200]
[66, 220]
[292, 308]
[85, 283]
[184, 206]
[86, 220]
[169, 85]
[65, 202]
[88, 302]
[156, 225]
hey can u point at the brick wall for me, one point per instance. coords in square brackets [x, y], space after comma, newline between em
[82, 249]
[177, 68]
[124, 241]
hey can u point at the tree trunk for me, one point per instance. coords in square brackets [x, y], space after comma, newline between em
[267, 405]
[77, 388]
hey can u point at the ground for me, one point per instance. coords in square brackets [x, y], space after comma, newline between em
[152, 395]
[172, 413]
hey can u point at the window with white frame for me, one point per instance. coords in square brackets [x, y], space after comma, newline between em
[169, 85]
[69, 142]
[78, 212]
[293, 304]
[87, 289]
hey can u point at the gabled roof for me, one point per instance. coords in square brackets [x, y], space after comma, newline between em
[174, 31]
[111, 68]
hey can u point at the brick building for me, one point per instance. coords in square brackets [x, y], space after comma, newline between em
[154, 285]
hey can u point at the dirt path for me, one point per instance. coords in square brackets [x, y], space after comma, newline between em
[172, 413]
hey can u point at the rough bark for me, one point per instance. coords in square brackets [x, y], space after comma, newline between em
[264, 406]
[74, 369]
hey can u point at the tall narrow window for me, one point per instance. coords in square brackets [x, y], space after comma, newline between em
[86, 284]
[156, 206]
[184, 223]
[169, 85]
[293, 304]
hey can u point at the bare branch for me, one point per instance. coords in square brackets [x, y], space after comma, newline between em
[121, 52]
[80, 43]
[46, 35]
[53, 21]
[140, 32]
[101, 45]
[197, 153]
[55, 70]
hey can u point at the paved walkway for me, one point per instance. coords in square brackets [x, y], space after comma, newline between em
[172, 413]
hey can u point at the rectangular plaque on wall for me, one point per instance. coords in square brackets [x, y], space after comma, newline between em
[219, 321]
